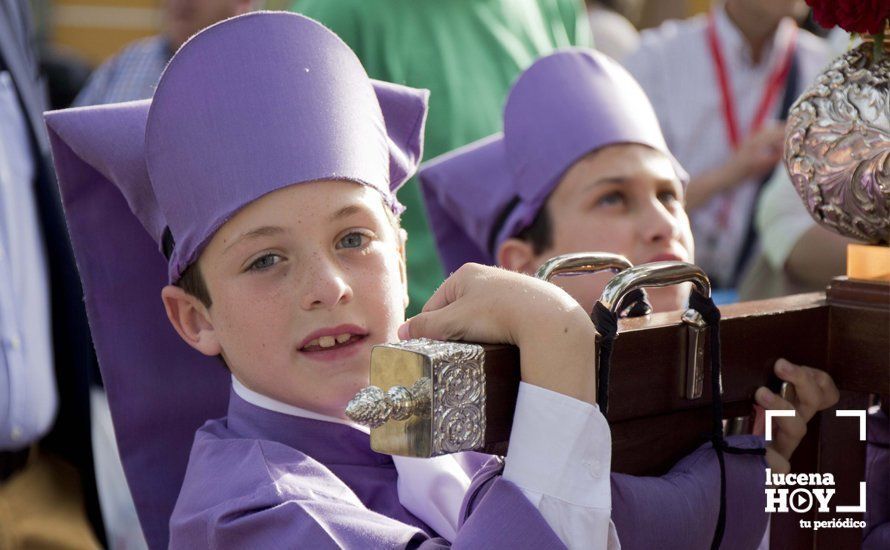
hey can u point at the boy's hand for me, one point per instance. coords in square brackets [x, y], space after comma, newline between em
[494, 306]
[814, 391]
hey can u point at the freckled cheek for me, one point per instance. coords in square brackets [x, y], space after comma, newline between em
[256, 319]
[381, 277]
[379, 286]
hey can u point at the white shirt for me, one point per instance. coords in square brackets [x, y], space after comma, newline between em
[28, 398]
[560, 457]
[675, 68]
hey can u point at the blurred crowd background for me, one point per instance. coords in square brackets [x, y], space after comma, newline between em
[76, 36]
[90, 31]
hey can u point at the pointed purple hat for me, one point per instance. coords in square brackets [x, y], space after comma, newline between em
[246, 107]
[564, 106]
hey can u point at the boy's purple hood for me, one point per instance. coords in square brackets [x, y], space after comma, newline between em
[563, 107]
[246, 107]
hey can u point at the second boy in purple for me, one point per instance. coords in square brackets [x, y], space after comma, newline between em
[582, 166]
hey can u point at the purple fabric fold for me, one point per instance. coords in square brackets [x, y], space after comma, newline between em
[689, 496]
[159, 389]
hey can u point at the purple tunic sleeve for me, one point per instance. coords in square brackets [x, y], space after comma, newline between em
[679, 509]
[251, 494]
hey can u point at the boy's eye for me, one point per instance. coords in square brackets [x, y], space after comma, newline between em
[352, 240]
[264, 262]
[668, 197]
[613, 198]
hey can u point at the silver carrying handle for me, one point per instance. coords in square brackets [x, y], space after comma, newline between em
[660, 274]
[585, 262]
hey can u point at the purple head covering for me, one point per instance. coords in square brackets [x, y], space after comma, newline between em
[246, 107]
[561, 108]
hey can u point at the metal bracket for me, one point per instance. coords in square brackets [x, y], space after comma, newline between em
[660, 274]
[696, 330]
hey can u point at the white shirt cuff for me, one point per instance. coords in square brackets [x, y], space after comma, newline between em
[560, 457]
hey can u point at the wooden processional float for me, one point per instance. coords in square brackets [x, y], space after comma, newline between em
[429, 398]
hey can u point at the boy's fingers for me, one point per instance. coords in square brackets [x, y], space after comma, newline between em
[416, 327]
[807, 392]
[759, 424]
[435, 325]
[439, 299]
[815, 388]
[829, 392]
[453, 287]
[787, 431]
[776, 462]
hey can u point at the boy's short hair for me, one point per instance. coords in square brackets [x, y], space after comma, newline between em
[540, 233]
[192, 281]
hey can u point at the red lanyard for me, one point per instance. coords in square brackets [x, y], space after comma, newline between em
[775, 82]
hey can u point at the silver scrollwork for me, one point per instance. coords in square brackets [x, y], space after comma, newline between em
[459, 429]
[459, 401]
[458, 397]
[838, 146]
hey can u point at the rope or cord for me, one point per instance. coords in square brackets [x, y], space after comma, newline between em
[607, 325]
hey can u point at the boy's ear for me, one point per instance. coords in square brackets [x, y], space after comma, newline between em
[403, 264]
[516, 255]
[191, 320]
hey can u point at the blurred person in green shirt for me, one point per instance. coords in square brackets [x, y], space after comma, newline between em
[467, 53]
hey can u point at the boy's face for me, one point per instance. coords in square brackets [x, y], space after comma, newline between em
[624, 199]
[303, 282]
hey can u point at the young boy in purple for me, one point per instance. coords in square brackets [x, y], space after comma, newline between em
[255, 195]
[582, 166]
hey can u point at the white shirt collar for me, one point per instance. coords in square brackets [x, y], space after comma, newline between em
[266, 402]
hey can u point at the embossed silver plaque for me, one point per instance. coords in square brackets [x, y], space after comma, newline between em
[427, 398]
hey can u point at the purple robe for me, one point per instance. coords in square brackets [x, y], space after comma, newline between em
[679, 509]
[259, 478]
[262, 479]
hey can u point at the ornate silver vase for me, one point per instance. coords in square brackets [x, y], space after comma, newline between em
[837, 145]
